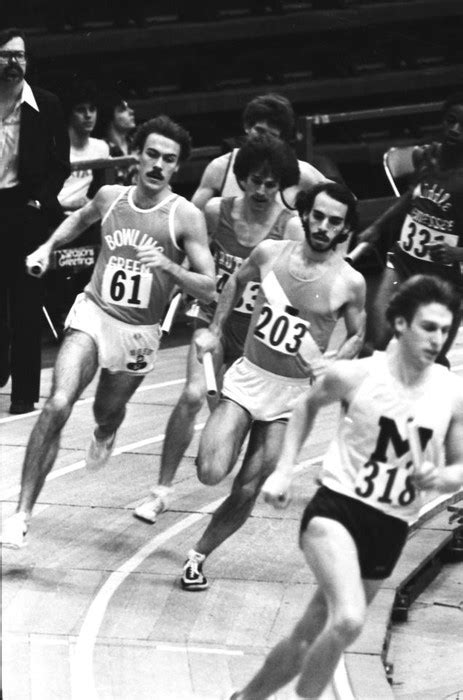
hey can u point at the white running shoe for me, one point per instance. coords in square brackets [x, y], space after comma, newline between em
[151, 509]
[14, 531]
[99, 451]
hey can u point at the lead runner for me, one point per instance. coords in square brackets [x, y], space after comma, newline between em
[147, 231]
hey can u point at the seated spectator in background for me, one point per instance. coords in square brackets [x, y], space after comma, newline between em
[82, 115]
[271, 114]
[77, 191]
[424, 228]
[115, 124]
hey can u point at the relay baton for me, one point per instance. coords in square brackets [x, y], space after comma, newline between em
[358, 252]
[35, 270]
[209, 374]
[171, 311]
[414, 444]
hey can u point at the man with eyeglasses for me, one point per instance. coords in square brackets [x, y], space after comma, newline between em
[34, 162]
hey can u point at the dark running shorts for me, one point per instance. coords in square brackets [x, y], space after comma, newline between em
[379, 537]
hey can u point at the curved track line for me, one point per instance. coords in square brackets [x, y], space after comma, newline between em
[82, 677]
[89, 399]
[12, 492]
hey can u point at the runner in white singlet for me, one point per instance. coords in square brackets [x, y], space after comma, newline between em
[146, 231]
[305, 288]
[354, 528]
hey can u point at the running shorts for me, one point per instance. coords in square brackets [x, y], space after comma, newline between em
[379, 538]
[122, 347]
[266, 396]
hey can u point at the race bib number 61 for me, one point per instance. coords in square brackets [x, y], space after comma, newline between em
[126, 287]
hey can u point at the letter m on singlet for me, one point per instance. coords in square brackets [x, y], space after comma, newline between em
[388, 433]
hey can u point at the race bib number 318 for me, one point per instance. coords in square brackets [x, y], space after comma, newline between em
[126, 287]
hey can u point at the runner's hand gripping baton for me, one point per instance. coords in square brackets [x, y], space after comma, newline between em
[209, 374]
[35, 269]
[170, 314]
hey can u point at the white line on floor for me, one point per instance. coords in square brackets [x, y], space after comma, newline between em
[89, 399]
[82, 678]
[62, 471]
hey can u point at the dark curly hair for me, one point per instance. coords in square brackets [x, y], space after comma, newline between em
[274, 109]
[418, 291]
[337, 191]
[164, 126]
[270, 154]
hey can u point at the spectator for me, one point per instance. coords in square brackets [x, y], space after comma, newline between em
[82, 115]
[34, 162]
[116, 122]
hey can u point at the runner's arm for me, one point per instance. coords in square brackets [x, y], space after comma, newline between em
[210, 184]
[355, 319]
[75, 224]
[391, 218]
[198, 279]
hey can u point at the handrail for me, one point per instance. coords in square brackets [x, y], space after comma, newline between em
[104, 163]
[307, 123]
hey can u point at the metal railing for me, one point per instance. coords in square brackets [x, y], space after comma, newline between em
[307, 124]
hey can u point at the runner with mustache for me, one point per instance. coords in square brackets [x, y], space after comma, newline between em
[306, 286]
[235, 225]
[146, 233]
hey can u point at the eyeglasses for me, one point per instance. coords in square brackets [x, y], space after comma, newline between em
[9, 55]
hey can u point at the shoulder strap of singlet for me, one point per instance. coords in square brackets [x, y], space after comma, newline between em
[172, 211]
[227, 170]
[113, 204]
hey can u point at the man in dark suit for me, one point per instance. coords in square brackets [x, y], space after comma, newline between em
[34, 162]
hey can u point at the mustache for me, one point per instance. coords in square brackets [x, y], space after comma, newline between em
[155, 173]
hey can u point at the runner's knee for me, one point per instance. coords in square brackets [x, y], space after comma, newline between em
[347, 625]
[192, 397]
[57, 408]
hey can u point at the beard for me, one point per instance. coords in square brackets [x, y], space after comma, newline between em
[12, 74]
[318, 245]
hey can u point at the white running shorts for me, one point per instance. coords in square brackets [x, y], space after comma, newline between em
[266, 396]
[122, 347]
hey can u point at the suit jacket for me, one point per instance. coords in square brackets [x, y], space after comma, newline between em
[44, 152]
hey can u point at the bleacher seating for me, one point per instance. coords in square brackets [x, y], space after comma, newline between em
[201, 62]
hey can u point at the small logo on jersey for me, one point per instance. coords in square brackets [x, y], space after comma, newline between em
[138, 364]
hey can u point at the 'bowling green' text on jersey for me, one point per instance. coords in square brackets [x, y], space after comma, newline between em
[120, 285]
[294, 318]
[370, 457]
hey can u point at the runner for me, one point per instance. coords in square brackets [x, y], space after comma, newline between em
[354, 528]
[147, 230]
[306, 287]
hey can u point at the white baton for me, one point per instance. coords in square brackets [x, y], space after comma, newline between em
[209, 374]
[171, 311]
[358, 252]
[414, 443]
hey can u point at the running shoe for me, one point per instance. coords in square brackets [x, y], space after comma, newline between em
[14, 531]
[99, 451]
[193, 578]
[151, 509]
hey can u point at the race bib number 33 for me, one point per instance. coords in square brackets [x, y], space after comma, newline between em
[126, 287]
[414, 238]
